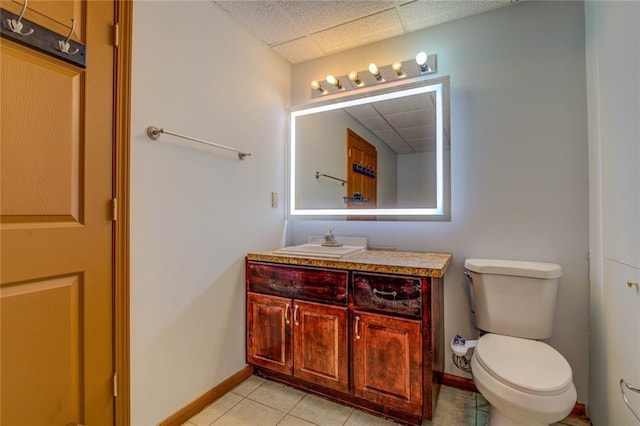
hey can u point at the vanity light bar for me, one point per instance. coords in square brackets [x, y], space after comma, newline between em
[422, 64]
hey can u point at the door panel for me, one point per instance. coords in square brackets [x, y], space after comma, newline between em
[269, 331]
[387, 362]
[320, 340]
[42, 317]
[56, 283]
[40, 179]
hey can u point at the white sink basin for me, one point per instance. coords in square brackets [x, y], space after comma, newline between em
[317, 250]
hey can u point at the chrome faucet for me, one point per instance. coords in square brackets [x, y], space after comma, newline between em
[330, 239]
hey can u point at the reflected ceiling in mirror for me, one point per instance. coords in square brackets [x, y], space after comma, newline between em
[400, 171]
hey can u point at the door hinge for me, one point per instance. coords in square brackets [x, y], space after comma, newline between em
[114, 209]
[116, 35]
[115, 385]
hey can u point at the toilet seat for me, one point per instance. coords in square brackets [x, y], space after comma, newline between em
[527, 365]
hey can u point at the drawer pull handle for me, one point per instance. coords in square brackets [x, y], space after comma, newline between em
[356, 327]
[295, 315]
[385, 293]
[286, 314]
[394, 293]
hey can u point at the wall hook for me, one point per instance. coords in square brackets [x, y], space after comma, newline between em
[16, 25]
[64, 44]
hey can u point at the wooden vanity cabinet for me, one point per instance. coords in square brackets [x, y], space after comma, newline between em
[378, 346]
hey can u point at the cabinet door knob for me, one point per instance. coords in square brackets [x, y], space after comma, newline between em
[295, 315]
[632, 284]
[356, 327]
[286, 314]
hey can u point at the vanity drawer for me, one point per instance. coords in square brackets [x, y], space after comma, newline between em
[315, 284]
[388, 293]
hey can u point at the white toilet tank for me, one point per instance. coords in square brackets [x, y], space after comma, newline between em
[513, 298]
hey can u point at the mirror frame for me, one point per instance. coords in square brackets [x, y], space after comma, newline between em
[434, 213]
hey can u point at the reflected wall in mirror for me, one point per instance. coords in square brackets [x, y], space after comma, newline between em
[381, 155]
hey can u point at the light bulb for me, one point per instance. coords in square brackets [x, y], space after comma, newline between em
[353, 76]
[334, 81]
[316, 86]
[373, 69]
[397, 67]
[421, 60]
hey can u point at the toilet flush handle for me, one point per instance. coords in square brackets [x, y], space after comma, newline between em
[468, 275]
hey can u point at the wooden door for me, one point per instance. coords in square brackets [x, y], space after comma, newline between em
[362, 169]
[269, 332]
[320, 344]
[56, 276]
[387, 361]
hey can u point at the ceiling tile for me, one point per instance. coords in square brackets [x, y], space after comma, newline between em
[298, 50]
[408, 103]
[417, 132]
[412, 118]
[316, 16]
[421, 14]
[265, 19]
[423, 145]
[362, 111]
[374, 123]
[363, 31]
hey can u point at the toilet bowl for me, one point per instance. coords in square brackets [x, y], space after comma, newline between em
[527, 382]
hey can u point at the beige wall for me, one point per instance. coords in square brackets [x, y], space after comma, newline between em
[195, 210]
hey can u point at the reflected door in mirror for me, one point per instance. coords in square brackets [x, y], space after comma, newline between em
[362, 166]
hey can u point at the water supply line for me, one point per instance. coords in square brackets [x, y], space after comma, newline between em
[461, 362]
[460, 346]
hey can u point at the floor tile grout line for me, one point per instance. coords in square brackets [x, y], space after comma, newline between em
[229, 409]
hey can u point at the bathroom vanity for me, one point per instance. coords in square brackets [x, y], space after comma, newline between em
[366, 330]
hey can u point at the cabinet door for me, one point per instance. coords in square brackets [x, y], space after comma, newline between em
[320, 344]
[269, 332]
[387, 354]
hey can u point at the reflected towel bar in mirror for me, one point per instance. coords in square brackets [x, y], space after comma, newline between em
[318, 174]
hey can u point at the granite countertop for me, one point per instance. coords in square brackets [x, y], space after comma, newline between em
[394, 262]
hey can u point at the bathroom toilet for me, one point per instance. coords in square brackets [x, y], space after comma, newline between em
[526, 381]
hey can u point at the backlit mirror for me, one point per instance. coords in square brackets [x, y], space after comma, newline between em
[379, 155]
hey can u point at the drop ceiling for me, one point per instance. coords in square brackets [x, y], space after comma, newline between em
[304, 30]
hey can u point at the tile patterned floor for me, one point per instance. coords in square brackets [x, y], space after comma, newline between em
[259, 402]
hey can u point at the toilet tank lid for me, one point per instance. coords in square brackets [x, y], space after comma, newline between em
[518, 268]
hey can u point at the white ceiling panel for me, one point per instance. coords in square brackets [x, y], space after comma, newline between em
[302, 48]
[420, 132]
[362, 111]
[316, 16]
[423, 145]
[336, 25]
[375, 123]
[264, 19]
[363, 31]
[412, 118]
